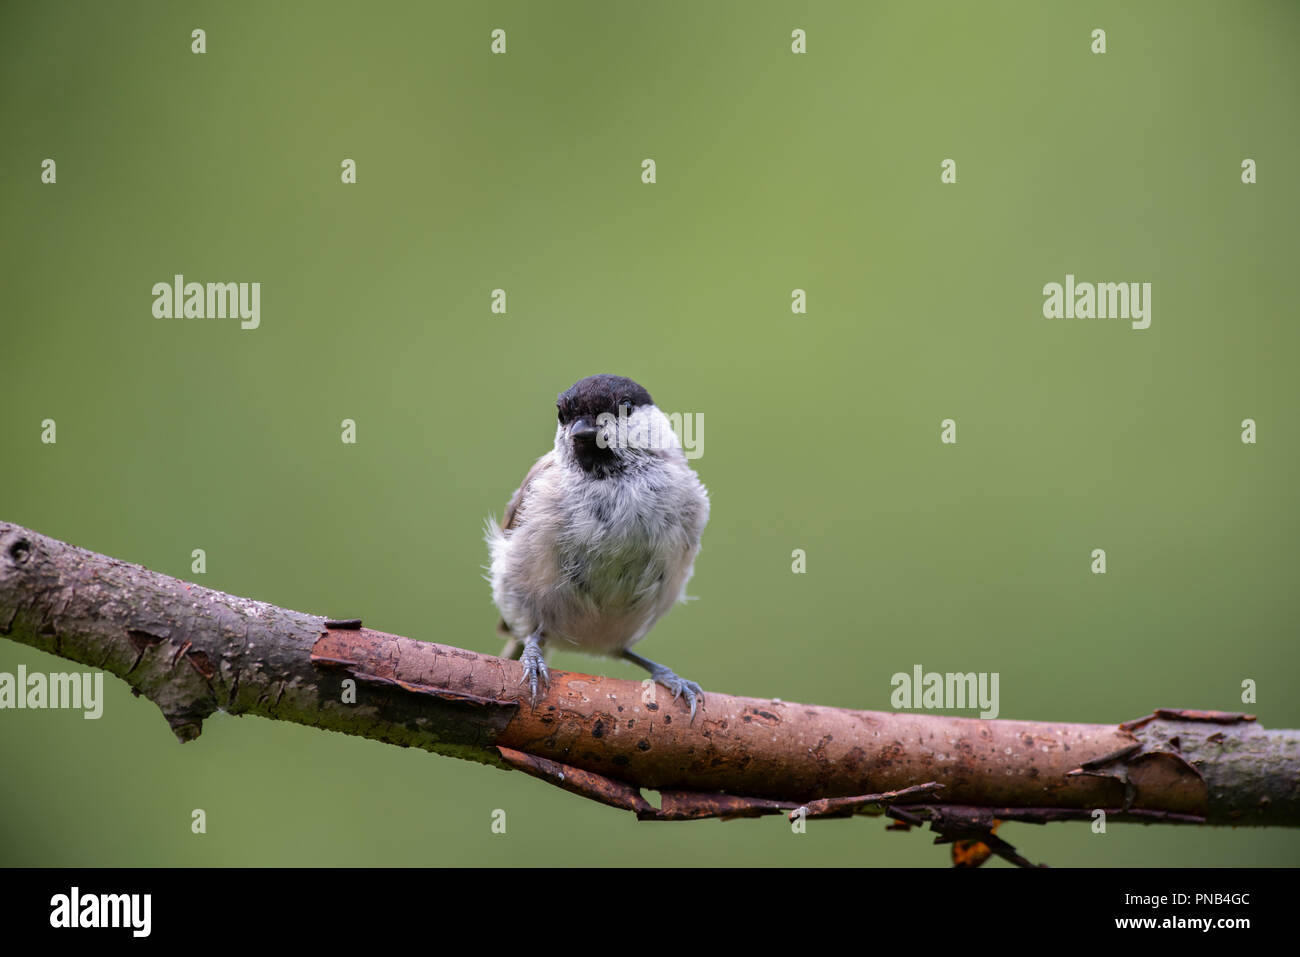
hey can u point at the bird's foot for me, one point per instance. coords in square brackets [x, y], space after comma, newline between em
[534, 666]
[678, 686]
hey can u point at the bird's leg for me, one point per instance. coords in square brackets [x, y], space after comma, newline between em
[669, 679]
[534, 664]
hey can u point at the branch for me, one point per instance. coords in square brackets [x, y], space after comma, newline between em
[194, 651]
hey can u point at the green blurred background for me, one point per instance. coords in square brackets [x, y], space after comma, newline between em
[775, 172]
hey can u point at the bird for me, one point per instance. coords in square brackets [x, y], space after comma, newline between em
[600, 539]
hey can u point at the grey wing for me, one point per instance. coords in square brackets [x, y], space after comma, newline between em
[508, 520]
[514, 647]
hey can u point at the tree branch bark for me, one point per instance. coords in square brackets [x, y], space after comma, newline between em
[194, 651]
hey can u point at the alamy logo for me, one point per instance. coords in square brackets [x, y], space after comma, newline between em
[954, 691]
[81, 690]
[641, 431]
[102, 910]
[1103, 300]
[214, 300]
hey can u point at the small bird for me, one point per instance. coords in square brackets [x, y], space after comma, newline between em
[600, 539]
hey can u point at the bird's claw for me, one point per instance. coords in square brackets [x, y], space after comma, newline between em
[680, 686]
[534, 667]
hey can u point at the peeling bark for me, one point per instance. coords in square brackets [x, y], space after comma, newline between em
[194, 651]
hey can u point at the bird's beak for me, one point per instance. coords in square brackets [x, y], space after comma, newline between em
[582, 430]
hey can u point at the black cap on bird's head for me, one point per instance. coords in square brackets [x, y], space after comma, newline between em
[589, 397]
[580, 406]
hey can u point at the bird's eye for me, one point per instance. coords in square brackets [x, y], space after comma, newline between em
[625, 403]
